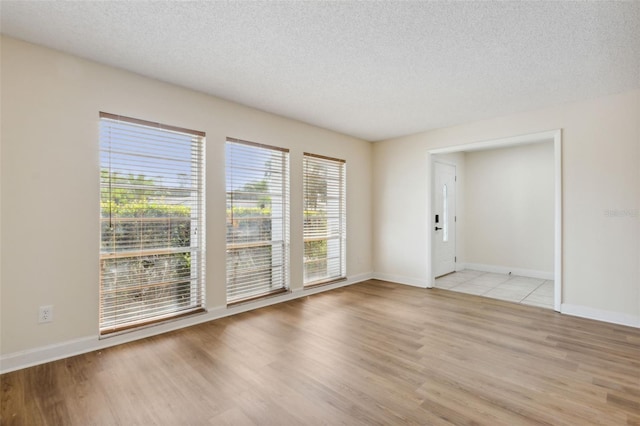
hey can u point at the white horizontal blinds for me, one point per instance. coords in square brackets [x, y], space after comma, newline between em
[152, 226]
[325, 219]
[257, 220]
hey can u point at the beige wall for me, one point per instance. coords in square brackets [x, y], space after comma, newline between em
[601, 159]
[50, 207]
[509, 207]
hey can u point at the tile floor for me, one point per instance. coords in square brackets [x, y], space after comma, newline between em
[529, 291]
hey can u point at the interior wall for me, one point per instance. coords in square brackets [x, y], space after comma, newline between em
[636, 212]
[509, 207]
[50, 183]
[601, 195]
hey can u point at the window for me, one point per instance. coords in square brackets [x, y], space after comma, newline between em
[445, 214]
[152, 227]
[257, 220]
[325, 219]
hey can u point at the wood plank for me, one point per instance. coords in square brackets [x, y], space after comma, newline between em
[366, 354]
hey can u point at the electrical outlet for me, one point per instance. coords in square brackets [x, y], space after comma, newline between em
[45, 314]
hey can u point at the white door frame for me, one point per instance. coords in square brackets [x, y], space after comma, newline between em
[552, 135]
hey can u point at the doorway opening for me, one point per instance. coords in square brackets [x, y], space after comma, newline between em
[435, 203]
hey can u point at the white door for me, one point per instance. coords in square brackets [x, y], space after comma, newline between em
[443, 222]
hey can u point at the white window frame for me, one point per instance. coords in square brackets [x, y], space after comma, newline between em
[257, 220]
[324, 196]
[152, 252]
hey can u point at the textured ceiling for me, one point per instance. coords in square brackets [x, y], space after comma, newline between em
[374, 70]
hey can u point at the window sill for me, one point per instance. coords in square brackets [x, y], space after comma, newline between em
[258, 297]
[326, 282]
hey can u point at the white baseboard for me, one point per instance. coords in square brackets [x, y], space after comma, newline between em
[415, 282]
[28, 358]
[601, 315]
[496, 269]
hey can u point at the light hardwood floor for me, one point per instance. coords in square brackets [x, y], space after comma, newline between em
[372, 353]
